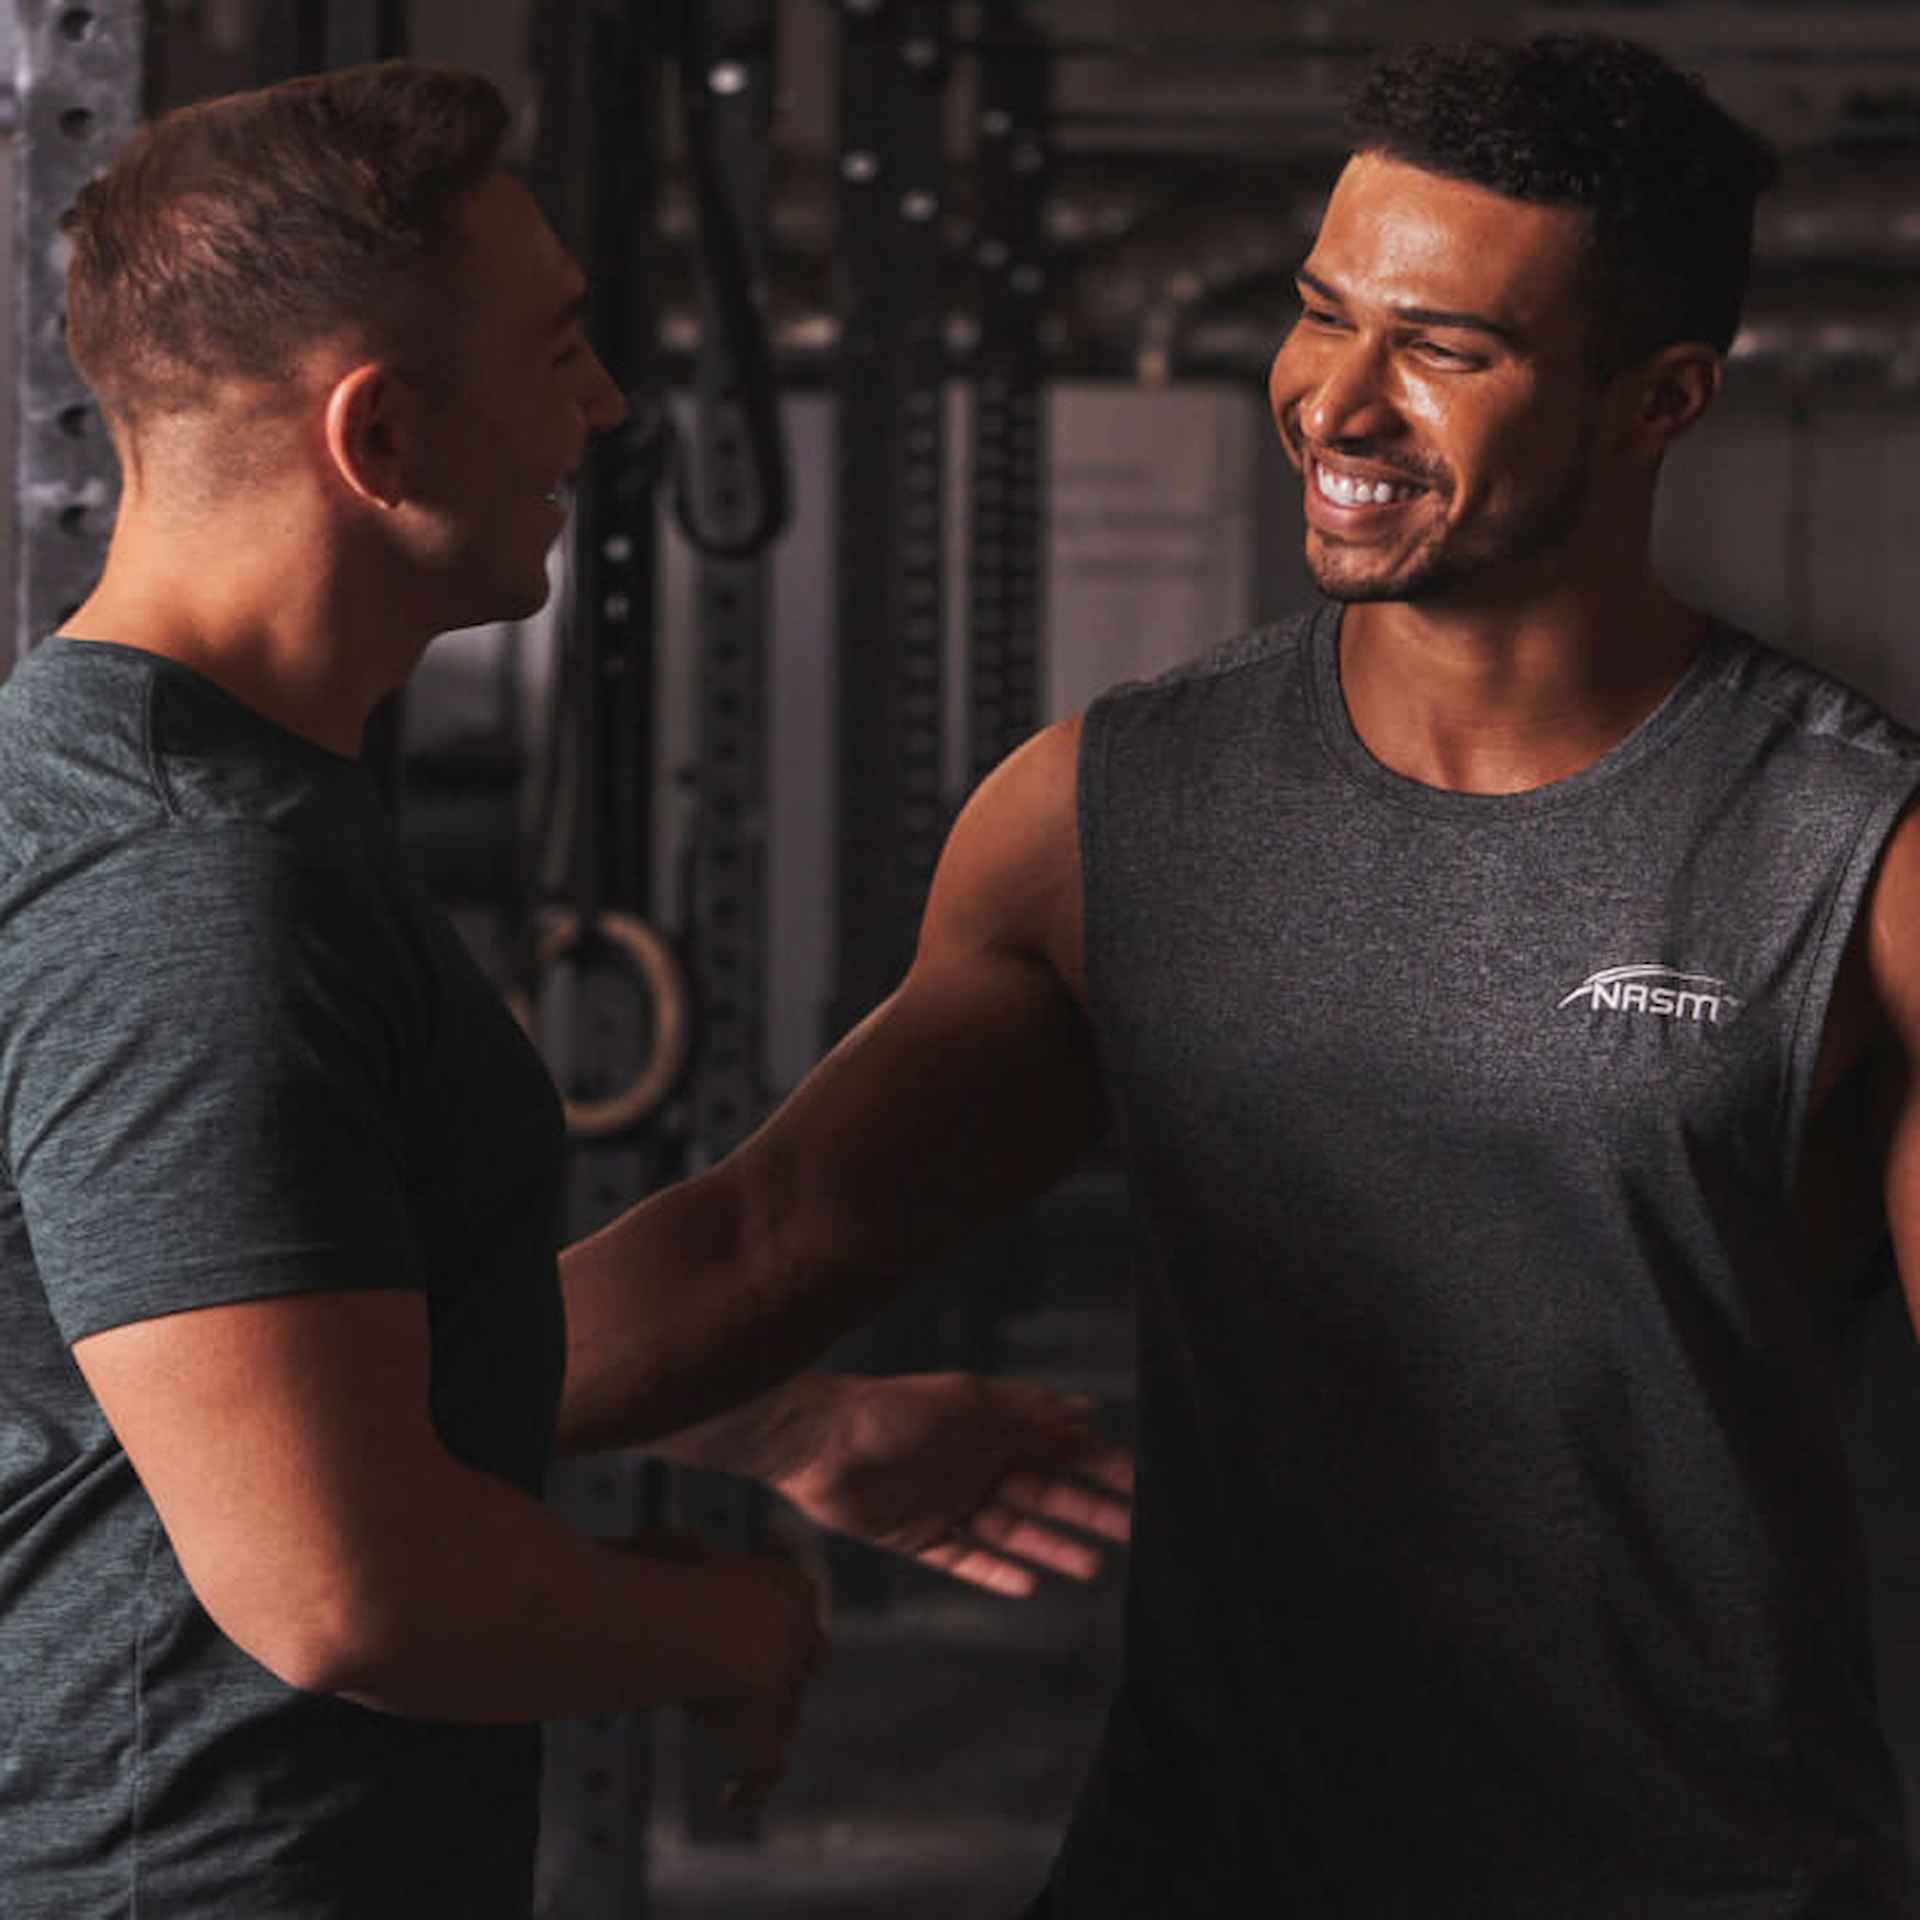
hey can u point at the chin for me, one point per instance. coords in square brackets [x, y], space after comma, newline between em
[539, 592]
[521, 599]
[497, 606]
[1353, 585]
[1424, 575]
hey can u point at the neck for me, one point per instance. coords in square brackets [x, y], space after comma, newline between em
[1500, 698]
[275, 615]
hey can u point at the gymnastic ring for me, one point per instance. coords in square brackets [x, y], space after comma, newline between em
[560, 933]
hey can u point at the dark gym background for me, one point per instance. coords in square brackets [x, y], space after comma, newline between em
[946, 323]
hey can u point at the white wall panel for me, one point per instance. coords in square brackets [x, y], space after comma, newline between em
[1862, 566]
[1719, 531]
[1153, 513]
[1805, 528]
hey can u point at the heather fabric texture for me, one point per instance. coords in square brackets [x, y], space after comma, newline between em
[1495, 1555]
[241, 1055]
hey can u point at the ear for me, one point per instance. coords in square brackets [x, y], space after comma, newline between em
[372, 426]
[1673, 389]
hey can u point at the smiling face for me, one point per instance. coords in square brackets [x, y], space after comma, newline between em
[517, 393]
[1437, 394]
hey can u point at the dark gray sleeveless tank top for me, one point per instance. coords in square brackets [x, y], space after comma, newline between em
[1495, 1555]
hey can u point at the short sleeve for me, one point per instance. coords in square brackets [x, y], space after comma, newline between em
[205, 1044]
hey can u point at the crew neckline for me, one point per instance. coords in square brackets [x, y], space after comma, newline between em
[1334, 720]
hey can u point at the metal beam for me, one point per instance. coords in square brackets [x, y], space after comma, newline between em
[728, 70]
[1007, 528]
[894, 59]
[595, 171]
[734, 66]
[77, 79]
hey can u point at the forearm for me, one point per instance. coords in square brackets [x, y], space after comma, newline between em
[957, 1100]
[684, 1314]
[479, 1605]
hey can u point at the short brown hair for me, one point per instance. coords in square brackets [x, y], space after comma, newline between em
[232, 235]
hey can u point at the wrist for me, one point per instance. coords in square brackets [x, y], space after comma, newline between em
[773, 1439]
[705, 1626]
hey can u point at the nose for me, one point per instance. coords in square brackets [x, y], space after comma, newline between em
[605, 406]
[1345, 395]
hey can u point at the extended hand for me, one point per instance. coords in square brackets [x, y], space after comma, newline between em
[987, 1480]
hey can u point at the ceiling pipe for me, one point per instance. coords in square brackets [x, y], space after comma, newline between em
[1158, 267]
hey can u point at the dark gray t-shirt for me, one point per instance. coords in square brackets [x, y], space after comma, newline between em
[241, 1055]
[1495, 1557]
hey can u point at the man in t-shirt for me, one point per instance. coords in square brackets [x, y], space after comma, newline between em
[287, 1350]
[1504, 983]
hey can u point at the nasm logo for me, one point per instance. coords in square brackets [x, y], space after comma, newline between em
[1663, 991]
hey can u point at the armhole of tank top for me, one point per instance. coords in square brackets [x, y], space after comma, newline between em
[1090, 799]
[1842, 916]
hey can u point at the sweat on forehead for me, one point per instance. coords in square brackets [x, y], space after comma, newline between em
[1448, 252]
[1600, 124]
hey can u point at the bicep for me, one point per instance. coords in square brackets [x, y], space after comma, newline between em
[283, 1443]
[1892, 949]
[974, 1084]
[202, 1126]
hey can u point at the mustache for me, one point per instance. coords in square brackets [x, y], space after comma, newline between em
[1424, 474]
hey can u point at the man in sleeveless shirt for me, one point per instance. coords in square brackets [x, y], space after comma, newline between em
[286, 1344]
[1503, 982]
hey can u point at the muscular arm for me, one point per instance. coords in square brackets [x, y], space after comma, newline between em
[287, 1448]
[1892, 965]
[970, 1089]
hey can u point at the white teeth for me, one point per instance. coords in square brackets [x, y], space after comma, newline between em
[1346, 491]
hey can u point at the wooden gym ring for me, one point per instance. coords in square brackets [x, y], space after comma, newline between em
[658, 967]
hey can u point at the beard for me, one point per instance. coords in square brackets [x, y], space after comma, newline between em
[1448, 559]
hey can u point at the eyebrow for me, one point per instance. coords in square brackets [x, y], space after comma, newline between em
[1421, 316]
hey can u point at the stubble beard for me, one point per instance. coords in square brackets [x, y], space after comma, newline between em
[1439, 566]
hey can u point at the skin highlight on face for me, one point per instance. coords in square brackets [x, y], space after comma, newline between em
[521, 393]
[1437, 393]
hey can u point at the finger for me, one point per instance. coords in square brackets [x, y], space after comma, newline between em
[1005, 1551]
[1111, 1465]
[968, 1560]
[1090, 1454]
[1067, 1502]
[1011, 1532]
[1101, 1460]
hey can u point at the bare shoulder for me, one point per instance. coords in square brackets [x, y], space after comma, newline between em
[1892, 935]
[1009, 878]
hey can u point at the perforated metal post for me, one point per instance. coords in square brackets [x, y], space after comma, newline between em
[732, 66]
[729, 903]
[893, 362]
[1007, 525]
[308, 36]
[596, 173]
[77, 77]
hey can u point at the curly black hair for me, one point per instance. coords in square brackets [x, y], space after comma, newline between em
[1605, 125]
